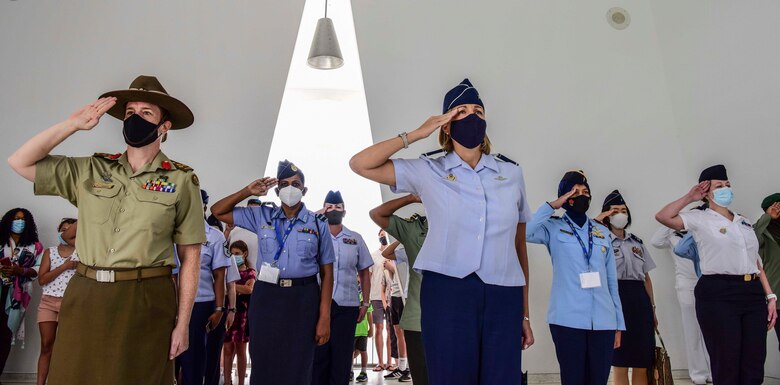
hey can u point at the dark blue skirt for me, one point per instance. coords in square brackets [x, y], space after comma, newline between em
[638, 341]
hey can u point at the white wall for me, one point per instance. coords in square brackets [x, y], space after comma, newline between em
[562, 89]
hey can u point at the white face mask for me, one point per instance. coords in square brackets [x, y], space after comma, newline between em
[290, 196]
[619, 221]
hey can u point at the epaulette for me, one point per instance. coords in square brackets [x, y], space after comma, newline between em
[634, 237]
[555, 216]
[505, 159]
[412, 219]
[181, 166]
[321, 217]
[107, 156]
[269, 204]
[434, 152]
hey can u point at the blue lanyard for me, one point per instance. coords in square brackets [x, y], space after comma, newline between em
[585, 251]
[282, 239]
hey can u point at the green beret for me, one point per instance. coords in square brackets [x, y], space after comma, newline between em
[770, 200]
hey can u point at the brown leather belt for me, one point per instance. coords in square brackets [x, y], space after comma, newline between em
[115, 275]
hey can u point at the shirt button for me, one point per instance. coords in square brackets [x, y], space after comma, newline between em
[482, 219]
[116, 230]
[479, 237]
[112, 250]
[121, 210]
[127, 193]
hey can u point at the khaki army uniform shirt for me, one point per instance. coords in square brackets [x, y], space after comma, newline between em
[126, 219]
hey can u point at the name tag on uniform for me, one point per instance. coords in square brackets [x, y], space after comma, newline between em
[590, 280]
[269, 273]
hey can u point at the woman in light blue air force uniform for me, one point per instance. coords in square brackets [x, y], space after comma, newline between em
[585, 314]
[474, 260]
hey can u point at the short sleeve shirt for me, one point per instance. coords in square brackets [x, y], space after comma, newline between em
[473, 215]
[725, 247]
[126, 219]
[352, 255]
[307, 246]
[632, 260]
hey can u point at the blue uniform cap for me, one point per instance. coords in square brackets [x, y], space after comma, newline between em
[287, 169]
[255, 201]
[463, 93]
[613, 199]
[333, 197]
[717, 172]
[204, 196]
[570, 179]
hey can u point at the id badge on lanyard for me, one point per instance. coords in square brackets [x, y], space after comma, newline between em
[269, 272]
[589, 279]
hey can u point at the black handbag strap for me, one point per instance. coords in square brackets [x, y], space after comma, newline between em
[657, 333]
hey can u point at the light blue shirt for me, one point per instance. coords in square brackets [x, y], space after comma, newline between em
[686, 248]
[352, 255]
[571, 305]
[472, 215]
[307, 247]
[212, 257]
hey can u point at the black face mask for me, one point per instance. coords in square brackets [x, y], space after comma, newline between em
[138, 132]
[579, 205]
[383, 241]
[334, 217]
[469, 131]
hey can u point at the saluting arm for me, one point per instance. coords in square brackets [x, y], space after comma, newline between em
[374, 162]
[389, 251]
[223, 209]
[24, 159]
[669, 216]
[382, 213]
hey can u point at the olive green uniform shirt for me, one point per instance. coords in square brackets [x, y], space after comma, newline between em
[769, 250]
[411, 233]
[121, 223]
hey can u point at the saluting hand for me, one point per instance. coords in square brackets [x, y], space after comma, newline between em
[88, 116]
[699, 191]
[558, 203]
[260, 187]
[774, 211]
[600, 218]
[435, 122]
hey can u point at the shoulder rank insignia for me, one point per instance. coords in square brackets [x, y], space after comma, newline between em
[637, 251]
[307, 230]
[350, 241]
[180, 166]
[159, 184]
[637, 239]
[432, 153]
[411, 219]
[747, 224]
[505, 159]
[107, 156]
[321, 217]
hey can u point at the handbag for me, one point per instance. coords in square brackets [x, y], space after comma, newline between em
[660, 372]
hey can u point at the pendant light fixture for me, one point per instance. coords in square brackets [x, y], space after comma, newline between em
[325, 53]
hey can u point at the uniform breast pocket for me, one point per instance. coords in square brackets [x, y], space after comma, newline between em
[97, 201]
[267, 241]
[157, 209]
[307, 246]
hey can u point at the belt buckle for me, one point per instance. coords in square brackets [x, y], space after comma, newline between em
[105, 276]
[748, 277]
[285, 282]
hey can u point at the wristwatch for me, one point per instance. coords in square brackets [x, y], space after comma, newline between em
[231, 310]
[405, 138]
[220, 308]
[365, 304]
[526, 319]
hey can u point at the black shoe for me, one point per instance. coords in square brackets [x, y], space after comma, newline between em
[405, 376]
[351, 375]
[394, 375]
[362, 377]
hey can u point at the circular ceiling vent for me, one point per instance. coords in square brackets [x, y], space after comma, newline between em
[618, 18]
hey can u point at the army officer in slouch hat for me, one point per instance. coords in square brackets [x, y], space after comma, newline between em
[121, 322]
